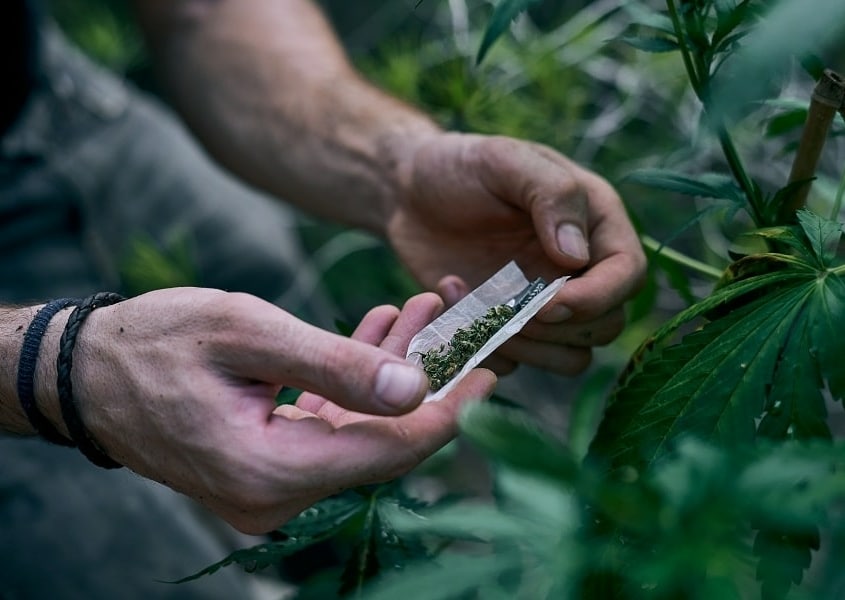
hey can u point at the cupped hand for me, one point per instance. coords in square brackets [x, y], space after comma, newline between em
[473, 203]
[180, 385]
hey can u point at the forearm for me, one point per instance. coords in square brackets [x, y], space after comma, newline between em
[267, 88]
[13, 326]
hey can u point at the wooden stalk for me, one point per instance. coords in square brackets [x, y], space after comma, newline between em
[828, 98]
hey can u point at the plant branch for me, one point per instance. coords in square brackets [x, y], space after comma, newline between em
[739, 173]
[680, 258]
[827, 99]
[682, 44]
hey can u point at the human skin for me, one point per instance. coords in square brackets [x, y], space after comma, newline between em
[179, 385]
[266, 86]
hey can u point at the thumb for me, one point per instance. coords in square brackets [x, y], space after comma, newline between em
[548, 187]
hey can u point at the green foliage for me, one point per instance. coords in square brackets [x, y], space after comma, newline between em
[683, 530]
[748, 362]
[505, 12]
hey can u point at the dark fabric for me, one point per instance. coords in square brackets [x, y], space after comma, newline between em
[17, 59]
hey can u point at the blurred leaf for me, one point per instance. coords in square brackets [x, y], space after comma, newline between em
[783, 559]
[504, 13]
[587, 408]
[786, 122]
[653, 44]
[147, 266]
[708, 185]
[512, 438]
[362, 564]
[450, 578]
[788, 30]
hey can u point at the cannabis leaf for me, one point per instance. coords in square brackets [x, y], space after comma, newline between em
[315, 524]
[766, 351]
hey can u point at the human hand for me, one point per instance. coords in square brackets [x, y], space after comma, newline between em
[473, 203]
[179, 385]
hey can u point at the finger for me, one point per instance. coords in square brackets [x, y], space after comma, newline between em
[547, 189]
[263, 343]
[381, 449]
[499, 364]
[376, 324]
[389, 327]
[416, 313]
[452, 289]
[564, 360]
[618, 264]
[598, 332]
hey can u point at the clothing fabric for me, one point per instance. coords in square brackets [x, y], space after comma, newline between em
[17, 58]
[89, 165]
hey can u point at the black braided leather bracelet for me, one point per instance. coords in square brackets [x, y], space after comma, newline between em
[26, 370]
[64, 365]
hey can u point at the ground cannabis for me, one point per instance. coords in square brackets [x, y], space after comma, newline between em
[443, 363]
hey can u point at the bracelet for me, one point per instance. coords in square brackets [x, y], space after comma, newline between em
[64, 364]
[26, 370]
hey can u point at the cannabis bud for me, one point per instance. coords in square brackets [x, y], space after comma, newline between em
[443, 362]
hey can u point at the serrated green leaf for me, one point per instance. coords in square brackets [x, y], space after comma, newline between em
[326, 516]
[722, 297]
[257, 557]
[783, 559]
[711, 384]
[824, 235]
[650, 43]
[512, 438]
[796, 406]
[766, 355]
[707, 185]
[504, 13]
[827, 313]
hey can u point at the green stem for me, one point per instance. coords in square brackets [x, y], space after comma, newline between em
[837, 203]
[680, 258]
[682, 43]
[728, 148]
[740, 174]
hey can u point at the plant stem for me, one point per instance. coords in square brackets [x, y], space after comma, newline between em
[739, 173]
[728, 148]
[680, 258]
[828, 97]
[837, 202]
[682, 43]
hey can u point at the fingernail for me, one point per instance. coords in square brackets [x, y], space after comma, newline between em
[555, 314]
[399, 385]
[571, 241]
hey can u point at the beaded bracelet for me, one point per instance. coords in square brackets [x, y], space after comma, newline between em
[64, 365]
[26, 370]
